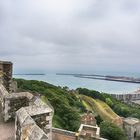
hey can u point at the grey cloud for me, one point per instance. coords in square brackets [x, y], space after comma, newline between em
[70, 34]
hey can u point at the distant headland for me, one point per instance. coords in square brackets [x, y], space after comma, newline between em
[29, 74]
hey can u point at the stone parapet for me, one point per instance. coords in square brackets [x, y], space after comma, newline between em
[6, 69]
[60, 134]
[42, 114]
[33, 117]
[3, 92]
[132, 128]
[88, 132]
[13, 102]
[26, 127]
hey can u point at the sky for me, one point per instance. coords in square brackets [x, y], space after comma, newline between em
[70, 35]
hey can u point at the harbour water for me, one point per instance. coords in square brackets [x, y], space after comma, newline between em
[75, 82]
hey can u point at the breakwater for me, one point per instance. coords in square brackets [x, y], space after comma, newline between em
[105, 77]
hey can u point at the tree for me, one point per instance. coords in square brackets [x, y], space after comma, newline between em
[66, 105]
[109, 102]
[111, 131]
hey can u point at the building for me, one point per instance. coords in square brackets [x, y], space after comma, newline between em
[128, 97]
[132, 128]
[88, 132]
[88, 119]
[132, 99]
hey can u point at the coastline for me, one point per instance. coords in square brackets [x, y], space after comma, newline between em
[93, 84]
[29, 74]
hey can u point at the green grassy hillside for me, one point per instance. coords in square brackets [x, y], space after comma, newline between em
[118, 107]
[66, 105]
[100, 108]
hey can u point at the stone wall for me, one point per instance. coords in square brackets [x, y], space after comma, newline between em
[13, 102]
[132, 128]
[3, 94]
[6, 74]
[88, 132]
[33, 123]
[39, 119]
[85, 132]
[42, 114]
[33, 118]
[14, 87]
[59, 134]
[26, 127]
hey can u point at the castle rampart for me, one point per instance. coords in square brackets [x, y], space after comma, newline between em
[32, 117]
[6, 74]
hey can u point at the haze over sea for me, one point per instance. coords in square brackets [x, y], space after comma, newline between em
[99, 85]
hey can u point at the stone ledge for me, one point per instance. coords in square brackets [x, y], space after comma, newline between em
[26, 127]
[19, 95]
[65, 132]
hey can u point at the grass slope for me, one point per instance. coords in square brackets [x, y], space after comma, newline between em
[100, 107]
[66, 105]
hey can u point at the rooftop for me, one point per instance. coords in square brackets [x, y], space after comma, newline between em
[136, 102]
[88, 117]
[88, 129]
[131, 121]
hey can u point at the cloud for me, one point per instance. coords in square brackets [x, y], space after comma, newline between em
[71, 35]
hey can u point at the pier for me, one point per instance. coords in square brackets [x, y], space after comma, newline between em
[105, 77]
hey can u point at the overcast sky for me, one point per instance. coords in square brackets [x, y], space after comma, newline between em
[70, 35]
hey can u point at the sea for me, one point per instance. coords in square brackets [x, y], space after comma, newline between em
[72, 82]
